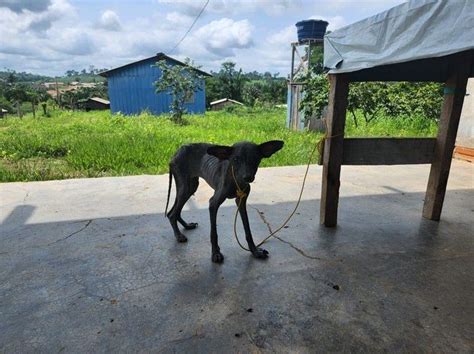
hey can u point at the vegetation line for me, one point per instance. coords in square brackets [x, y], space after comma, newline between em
[73, 144]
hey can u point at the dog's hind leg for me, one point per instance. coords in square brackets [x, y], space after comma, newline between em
[193, 186]
[182, 190]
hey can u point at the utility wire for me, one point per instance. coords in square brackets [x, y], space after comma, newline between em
[190, 27]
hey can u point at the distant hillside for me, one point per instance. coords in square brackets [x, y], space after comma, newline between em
[11, 75]
[71, 75]
[81, 78]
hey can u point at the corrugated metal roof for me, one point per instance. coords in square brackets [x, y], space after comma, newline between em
[158, 56]
[100, 100]
[225, 100]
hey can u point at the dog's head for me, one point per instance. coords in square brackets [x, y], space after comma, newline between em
[245, 156]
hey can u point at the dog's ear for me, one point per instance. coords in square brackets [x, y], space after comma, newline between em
[270, 147]
[220, 151]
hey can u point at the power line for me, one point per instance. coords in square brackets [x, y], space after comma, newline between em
[190, 27]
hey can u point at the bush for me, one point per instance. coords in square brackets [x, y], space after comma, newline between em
[423, 99]
[315, 95]
[375, 98]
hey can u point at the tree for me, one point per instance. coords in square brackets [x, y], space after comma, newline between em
[17, 94]
[270, 90]
[213, 89]
[277, 89]
[180, 81]
[253, 92]
[317, 59]
[33, 97]
[250, 88]
[69, 99]
[5, 104]
[71, 73]
[369, 97]
[37, 95]
[406, 98]
[316, 93]
[373, 98]
[11, 79]
[231, 81]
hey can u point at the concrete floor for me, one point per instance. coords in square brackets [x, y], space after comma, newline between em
[91, 265]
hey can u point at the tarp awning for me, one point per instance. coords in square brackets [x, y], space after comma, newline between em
[416, 30]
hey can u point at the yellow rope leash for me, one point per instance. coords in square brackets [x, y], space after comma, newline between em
[241, 194]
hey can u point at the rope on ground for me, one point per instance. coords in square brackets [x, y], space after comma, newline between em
[242, 194]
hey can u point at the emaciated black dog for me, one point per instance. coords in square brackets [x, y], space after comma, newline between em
[214, 164]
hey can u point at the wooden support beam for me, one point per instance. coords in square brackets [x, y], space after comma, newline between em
[454, 92]
[333, 148]
[292, 63]
[388, 151]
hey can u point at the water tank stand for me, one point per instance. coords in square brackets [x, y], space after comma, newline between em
[303, 60]
[296, 82]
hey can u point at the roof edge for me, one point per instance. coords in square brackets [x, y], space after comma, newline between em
[225, 100]
[158, 56]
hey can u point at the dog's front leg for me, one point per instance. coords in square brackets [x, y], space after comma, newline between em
[214, 204]
[257, 252]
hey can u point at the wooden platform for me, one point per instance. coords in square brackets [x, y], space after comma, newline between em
[438, 151]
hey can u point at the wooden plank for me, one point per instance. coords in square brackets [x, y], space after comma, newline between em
[455, 90]
[292, 62]
[333, 148]
[388, 151]
[464, 153]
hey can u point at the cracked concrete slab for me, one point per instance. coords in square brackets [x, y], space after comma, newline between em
[91, 265]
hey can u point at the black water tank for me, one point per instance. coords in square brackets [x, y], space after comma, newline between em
[311, 29]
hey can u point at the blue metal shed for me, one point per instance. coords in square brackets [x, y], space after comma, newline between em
[132, 91]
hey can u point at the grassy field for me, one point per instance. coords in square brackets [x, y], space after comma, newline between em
[94, 144]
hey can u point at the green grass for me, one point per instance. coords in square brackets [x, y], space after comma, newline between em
[94, 144]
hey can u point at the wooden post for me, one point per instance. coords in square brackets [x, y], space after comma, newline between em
[454, 92]
[292, 76]
[333, 148]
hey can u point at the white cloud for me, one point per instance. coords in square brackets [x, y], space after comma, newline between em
[335, 22]
[222, 36]
[275, 53]
[25, 5]
[25, 33]
[187, 7]
[55, 40]
[179, 19]
[52, 36]
[283, 37]
[109, 21]
[34, 21]
[232, 7]
[74, 42]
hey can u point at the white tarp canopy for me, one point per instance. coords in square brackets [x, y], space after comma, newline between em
[414, 30]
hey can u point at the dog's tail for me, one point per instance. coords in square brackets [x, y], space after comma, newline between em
[169, 192]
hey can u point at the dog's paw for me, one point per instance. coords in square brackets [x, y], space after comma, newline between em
[181, 238]
[260, 253]
[191, 226]
[217, 257]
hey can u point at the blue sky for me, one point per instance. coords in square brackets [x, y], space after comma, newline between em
[52, 36]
